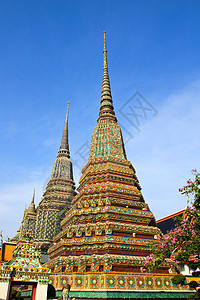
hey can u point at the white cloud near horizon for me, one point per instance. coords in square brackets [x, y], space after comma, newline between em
[166, 149]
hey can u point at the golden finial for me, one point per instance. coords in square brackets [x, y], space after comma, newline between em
[64, 147]
[33, 196]
[104, 49]
[67, 112]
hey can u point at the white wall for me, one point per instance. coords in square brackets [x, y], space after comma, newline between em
[41, 292]
[4, 289]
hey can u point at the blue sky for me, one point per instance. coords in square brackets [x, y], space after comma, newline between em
[51, 53]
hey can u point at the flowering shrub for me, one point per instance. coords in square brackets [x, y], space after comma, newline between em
[183, 243]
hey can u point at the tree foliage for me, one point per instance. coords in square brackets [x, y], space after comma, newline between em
[181, 244]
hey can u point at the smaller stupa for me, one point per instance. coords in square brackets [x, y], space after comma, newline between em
[44, 221]
[28, 222]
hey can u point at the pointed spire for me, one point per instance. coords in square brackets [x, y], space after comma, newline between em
[106, 108]
[31, 208]
[33, 199]
[64, 147]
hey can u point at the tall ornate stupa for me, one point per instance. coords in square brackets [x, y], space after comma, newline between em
[59, 193]
[44, 221]
[109, 230]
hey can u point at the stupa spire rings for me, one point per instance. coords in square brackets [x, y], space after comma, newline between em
[106, 107]
[31, 208]
[58, 194]
[45, 221]
[33, 198]
[64, 146]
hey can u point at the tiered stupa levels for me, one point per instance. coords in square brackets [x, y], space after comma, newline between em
[108, 215]
[44, 221]
[57, 198]
[27, 224]
[109, 231]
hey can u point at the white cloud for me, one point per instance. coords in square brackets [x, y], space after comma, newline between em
[166, 149]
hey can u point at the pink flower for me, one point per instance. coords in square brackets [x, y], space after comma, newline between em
[174, 240]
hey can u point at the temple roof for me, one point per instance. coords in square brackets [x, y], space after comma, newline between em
[25, 266]
[169, 222]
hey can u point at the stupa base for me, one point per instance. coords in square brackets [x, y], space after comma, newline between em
[112, 285]
[111, 295]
